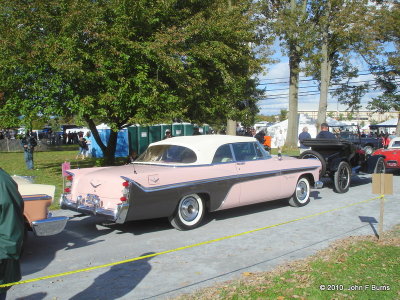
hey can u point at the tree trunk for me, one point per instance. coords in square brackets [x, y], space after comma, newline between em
[109, 150]
[231, 127]
[398, 126]
[294, 65]
[326, 67]
[293, 124]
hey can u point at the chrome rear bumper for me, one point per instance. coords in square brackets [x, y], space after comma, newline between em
[93, 208]
[49, 226]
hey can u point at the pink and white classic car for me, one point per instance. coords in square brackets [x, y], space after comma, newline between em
[182, 178]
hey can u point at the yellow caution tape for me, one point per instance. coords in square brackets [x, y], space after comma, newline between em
[182, 248]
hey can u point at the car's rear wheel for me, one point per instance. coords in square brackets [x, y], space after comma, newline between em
[380, 166]
[189, 213]
[301, 195]
[342, 177]
[315, 155]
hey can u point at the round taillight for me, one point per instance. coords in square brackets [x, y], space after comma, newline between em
[67, 190]
[125, 184]
[123, 199]
[69, 177]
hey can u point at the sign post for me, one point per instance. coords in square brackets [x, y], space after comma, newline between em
[382, 184]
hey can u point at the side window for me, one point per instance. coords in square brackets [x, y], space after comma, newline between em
[223, 154]
[259, 152]
[247, 151]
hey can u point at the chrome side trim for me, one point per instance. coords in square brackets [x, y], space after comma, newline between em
[202, 181]
[36, 197]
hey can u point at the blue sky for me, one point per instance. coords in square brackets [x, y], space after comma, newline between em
[276, 85]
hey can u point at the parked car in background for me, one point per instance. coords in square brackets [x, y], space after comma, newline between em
[391, 154]
[352, 133]
[340, 158]
[182, 178]
[37, 199]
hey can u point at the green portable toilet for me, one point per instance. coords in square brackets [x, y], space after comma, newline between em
[206, 129]
[143, 138]
[187, 128]
[177, 129]
[133, 138]
[155, 134]
[164, 127]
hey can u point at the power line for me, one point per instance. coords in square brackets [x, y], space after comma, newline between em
[312, 86]
[304, 93]
[286, 78]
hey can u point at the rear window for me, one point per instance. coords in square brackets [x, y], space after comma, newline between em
[168, 154]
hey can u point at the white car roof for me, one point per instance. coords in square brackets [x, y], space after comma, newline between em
[204, 145]
[394, 143]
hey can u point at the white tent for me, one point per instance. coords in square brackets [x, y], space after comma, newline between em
[304, 121]
[389, 122]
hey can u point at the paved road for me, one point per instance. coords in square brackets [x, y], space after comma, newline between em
[88, 242]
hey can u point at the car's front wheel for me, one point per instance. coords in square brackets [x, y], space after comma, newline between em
[380, 166]
[342, 177]
[301, 195]
[189, 213]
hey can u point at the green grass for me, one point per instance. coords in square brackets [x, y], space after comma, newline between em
[353, 268]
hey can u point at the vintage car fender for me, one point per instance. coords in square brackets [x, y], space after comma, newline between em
[37, 199]
[371, 163]
[333, 163]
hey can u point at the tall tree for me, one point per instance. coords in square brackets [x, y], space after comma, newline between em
[289, 21]
[341, 27]
[387, 69]
[122, 62]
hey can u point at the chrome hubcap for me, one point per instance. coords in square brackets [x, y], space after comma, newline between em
[189, 209]
[301, 191]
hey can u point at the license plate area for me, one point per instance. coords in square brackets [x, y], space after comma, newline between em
[92, 200]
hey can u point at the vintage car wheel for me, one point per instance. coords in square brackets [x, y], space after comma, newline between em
[315, 155]
[380, 166]
[189, 213]
[342, 177]
[301, 195]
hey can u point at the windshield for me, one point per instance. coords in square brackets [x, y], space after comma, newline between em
[168, 154]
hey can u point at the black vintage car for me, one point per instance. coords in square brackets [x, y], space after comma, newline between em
[340, 158]
[353, 134]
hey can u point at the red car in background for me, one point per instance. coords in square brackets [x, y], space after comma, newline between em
[391, 154]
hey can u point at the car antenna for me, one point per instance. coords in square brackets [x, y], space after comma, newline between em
[134, 170]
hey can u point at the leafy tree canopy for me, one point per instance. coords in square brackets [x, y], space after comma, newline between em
[122, 61]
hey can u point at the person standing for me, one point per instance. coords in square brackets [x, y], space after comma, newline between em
[29, 143]
[168, 134]
[11, 231]
[279, 140]
[325, 133]
[83, 148]
[302, 136]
